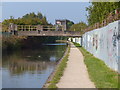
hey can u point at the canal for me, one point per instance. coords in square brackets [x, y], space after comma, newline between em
[30, 68]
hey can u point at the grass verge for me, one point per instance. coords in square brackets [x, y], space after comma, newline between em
[59, 71]
[99, 73]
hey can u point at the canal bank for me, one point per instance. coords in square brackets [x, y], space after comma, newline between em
[13, 42]
[71, 72]
[55, 76]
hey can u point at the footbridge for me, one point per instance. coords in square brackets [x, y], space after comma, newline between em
[41, 30]
[48, 33]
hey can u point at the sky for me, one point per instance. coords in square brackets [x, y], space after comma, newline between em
[74, 11]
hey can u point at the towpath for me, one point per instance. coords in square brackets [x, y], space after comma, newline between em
[75, 74]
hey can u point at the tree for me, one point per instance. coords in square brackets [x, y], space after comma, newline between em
[69, 24]
[28, 19]
[11, 17]
[78, 27]
[98, 11]
[39, 15]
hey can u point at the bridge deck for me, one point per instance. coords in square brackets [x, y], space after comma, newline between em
[49, 33]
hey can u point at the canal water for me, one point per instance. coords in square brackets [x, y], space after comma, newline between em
[30, 68]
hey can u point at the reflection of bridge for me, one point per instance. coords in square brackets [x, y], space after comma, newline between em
[40, 30]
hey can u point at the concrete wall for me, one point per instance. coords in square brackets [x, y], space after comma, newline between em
[104, 43]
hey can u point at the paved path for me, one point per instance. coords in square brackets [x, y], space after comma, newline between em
[75, 74]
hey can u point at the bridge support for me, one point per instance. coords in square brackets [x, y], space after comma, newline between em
[13, 29]
[39, 27]
[76, 40]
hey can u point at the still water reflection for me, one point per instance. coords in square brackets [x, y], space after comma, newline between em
[30, 68]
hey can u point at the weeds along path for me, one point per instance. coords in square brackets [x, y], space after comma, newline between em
[75, 74]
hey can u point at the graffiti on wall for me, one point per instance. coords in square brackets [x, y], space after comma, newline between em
[104, 41]
[115, 39]
[113, 44]
[109, 43]
[101, 41]
[95, 41]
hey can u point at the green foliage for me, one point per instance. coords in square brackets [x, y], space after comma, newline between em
[12, 42]
[98, 11]
[69, 24]
[28, 19]
[78, 27]
[100, 74]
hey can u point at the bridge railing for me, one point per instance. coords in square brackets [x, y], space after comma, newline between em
[26, 27]
[113, 16]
